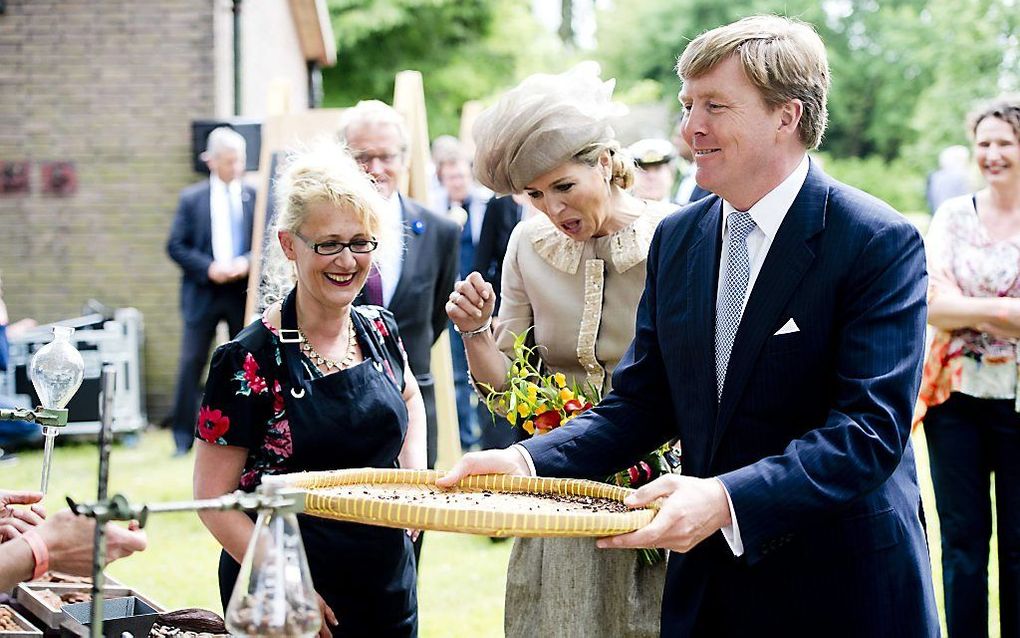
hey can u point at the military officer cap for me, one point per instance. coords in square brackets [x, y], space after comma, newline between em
[651, 151]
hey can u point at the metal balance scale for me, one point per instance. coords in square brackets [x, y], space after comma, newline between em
[273, 595]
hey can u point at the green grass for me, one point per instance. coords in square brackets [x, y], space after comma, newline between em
[462, 577]
[461, 581]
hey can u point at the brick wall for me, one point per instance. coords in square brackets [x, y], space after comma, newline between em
[111, 86]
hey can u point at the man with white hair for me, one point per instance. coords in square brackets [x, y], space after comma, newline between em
[211, 241]
[414, 283]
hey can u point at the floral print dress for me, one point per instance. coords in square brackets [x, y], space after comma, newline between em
[964, 260]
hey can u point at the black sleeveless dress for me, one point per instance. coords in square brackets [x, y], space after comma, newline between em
[264, 395]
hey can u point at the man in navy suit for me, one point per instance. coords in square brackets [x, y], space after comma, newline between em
[780, 336]
[211, 241]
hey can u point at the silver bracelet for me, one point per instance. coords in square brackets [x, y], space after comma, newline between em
[477, 331]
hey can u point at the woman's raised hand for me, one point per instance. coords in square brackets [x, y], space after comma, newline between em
[471, 303]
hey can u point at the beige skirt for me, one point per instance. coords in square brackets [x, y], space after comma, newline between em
[567, 587]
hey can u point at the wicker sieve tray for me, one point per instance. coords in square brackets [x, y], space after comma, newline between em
[491, 505]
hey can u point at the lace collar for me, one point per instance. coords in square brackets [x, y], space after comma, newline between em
[628, 246]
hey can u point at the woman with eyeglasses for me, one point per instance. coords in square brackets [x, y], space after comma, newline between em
[318, 384]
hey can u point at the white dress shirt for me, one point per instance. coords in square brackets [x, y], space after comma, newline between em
[768, 214]
[221, 195]
[479, 199]
[390, 258]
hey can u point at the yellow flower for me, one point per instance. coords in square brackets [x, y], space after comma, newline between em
[502, 405]
[529, 426]
[541, 409]
[523, 409]
[532, 391]
[512, 418]
[561, 379]
[566, 394]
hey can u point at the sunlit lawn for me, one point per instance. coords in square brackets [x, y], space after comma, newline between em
[461, 581]
[462, 577]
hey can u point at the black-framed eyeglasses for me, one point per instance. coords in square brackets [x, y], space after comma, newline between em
[333, 247]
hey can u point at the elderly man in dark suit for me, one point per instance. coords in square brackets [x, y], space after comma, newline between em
[211, 241]
[414, 280]
[780, 337]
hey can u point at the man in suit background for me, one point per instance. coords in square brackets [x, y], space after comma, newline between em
[502, 214]
[414, 280]
[211, 241]
[464, 203]
[780, 336]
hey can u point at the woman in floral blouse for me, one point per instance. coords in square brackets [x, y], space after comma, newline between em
[970, 379]
[318, 384]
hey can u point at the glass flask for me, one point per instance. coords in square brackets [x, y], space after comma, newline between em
[56, 371]
[274, 595]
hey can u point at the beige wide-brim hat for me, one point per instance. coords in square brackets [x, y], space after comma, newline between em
[540, 124]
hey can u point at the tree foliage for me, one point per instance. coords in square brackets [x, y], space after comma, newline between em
[465, 50]
[903, 71]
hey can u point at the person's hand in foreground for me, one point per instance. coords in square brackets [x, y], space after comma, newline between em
[691, 510]
[508, 461]
[69, 541]
[15, 521]
[328, 619]
[63, 543]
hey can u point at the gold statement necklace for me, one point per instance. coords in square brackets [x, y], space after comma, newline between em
[328, 364]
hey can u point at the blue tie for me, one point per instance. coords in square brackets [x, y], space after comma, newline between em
[738, 271]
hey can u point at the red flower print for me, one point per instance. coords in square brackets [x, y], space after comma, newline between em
[277, 398]
[251, 367]
[212, 424]
[249, 479]
[281, 443]
[380, 325]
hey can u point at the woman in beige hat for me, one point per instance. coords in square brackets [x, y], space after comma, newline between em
[574, 273]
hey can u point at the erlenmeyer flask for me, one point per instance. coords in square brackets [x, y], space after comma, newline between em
[274, 595]
[57, 370]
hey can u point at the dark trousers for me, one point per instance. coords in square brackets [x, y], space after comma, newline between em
[195, 343]
[970, 439]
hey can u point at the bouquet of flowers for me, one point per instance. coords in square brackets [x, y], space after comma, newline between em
[540, 403]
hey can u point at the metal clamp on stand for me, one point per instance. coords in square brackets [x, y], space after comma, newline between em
[269, 498]
[47, 417]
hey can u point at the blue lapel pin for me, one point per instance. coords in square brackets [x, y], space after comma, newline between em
[418, 227]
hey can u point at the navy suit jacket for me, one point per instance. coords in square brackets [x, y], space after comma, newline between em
[811, 436]
[190, 245]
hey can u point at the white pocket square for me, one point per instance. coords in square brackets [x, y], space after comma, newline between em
[789, 327]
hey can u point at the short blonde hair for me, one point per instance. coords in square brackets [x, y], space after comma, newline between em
[324, 173]
[784, 58]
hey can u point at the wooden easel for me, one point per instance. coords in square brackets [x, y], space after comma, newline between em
[287, 132]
